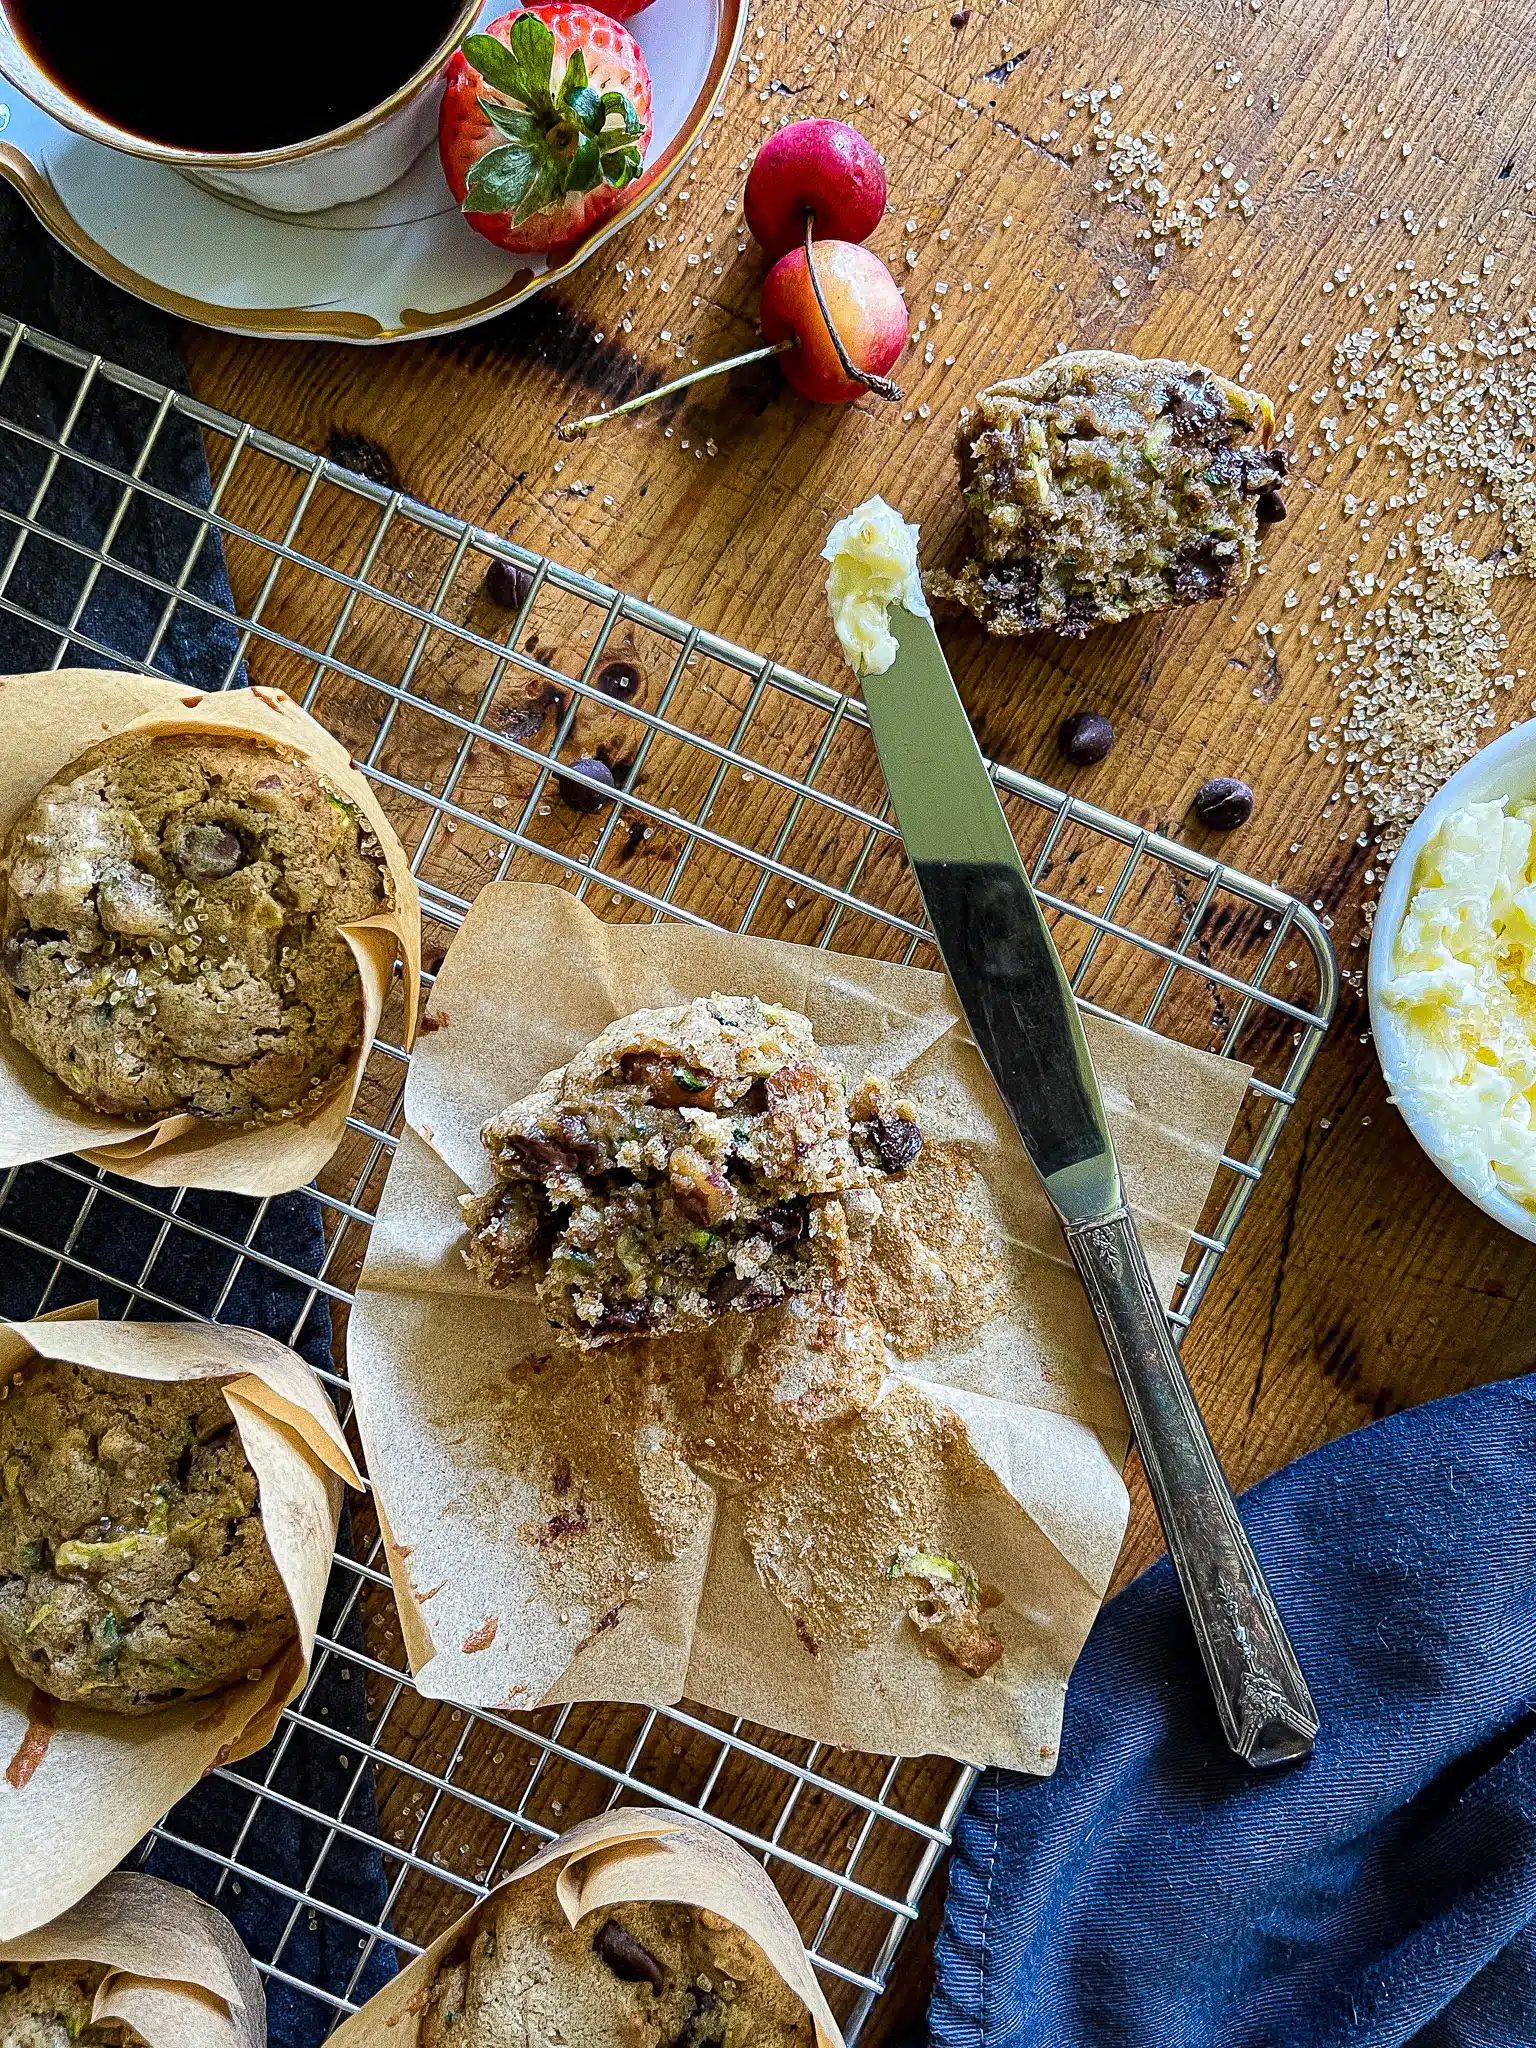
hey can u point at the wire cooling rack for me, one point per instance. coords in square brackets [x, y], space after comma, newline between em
[750, 798]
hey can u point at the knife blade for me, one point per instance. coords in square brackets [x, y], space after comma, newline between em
[1017, 999]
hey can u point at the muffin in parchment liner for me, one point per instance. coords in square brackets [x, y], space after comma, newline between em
[48, 722]
[138, 1963]
[637, 1925]
[882, 1517]
[82, 1785]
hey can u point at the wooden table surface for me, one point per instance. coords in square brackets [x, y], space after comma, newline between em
[1359, 1282]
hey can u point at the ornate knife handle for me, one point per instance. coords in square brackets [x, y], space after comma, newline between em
[1266, 1710]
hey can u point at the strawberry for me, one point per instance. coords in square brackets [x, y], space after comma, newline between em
[546, 117]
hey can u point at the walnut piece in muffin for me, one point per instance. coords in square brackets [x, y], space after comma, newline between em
[647, 1975]
[134, 1570]
[1104, 485]
[170, 909]
[691, 1162]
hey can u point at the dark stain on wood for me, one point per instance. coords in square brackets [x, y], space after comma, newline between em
[1287, 1239]
[363, 457]
[546, 330]
[1338, 1358]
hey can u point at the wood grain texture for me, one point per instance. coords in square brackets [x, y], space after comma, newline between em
[1360, 1282]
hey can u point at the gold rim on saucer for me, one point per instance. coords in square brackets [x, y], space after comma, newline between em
[338, 323]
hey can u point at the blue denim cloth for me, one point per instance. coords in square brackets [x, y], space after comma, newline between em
[52, 1212]
[1156, 1893]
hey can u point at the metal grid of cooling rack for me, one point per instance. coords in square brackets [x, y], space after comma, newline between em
[731, 791]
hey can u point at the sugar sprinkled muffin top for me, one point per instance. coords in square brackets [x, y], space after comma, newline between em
[170, 942]
[648, 1975]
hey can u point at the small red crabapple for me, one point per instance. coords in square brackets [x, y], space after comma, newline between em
[824, 169]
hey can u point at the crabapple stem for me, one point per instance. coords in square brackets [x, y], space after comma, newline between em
[574, 429]
[883, 387]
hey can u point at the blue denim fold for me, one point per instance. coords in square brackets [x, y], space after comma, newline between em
[1156, 1893]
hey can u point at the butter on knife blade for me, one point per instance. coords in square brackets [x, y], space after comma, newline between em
[873, 553]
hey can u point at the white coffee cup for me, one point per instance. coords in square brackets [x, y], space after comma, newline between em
[362, 157]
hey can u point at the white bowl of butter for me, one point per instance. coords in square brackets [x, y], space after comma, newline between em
[1452, 980]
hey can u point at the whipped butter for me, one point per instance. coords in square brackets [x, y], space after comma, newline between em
[1462, 988]
[873, 553]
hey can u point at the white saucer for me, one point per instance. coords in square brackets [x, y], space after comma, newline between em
[397, 266]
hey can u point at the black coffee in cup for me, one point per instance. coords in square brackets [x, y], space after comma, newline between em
[229, 76]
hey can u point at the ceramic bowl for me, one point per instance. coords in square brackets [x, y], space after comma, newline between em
[1505, 768]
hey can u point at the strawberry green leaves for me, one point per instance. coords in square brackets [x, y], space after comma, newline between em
[557, 143]
[519, 67]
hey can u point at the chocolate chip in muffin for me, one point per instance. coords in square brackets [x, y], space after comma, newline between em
[1269, 508]
[626, 1957]
[206, 853]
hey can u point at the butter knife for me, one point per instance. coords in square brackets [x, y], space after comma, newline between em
[1019, 1004]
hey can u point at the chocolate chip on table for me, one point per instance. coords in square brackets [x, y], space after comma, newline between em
[1223, 803]
[621, 679]
[205, 852]
[626, 1957]
[1269, 507]
[897, 1140]
[960, 17]
[1086, 737]
[364, 458]
[575, 795]
[507, 584]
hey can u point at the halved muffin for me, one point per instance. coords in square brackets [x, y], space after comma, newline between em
[692, 1161]
[1103, 485]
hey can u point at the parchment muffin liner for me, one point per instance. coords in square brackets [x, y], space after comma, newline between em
[46, 722]
[78, 1789]
[179, 1974]
[651, 1566]
[635, 1855]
